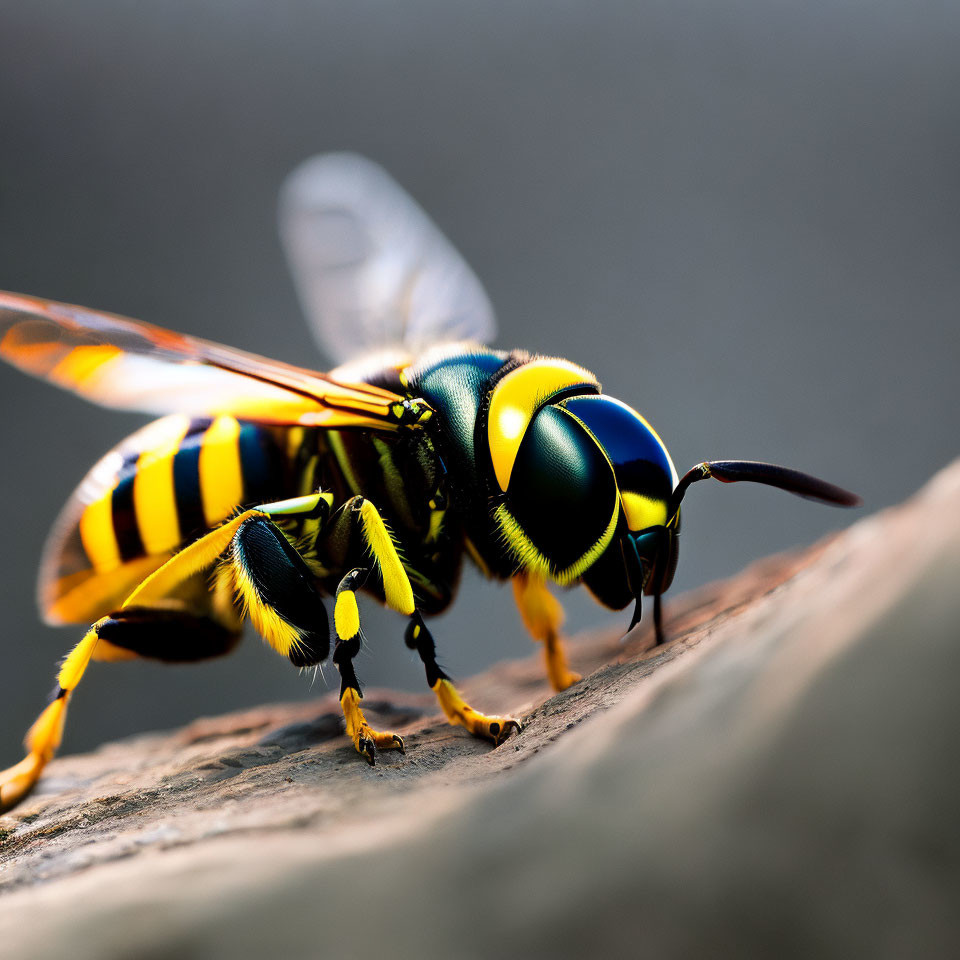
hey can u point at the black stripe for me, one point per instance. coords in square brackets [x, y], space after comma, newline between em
[186, 481]
[282, 581]
[343, 653]
[260, 463]
[124, 518]
[424, 645]
[171, 635]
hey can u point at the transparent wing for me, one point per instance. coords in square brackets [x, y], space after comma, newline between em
[118, 362]
[373, 272]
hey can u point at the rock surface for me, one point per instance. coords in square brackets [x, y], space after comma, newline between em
[779, 780]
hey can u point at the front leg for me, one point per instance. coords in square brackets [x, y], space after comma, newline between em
[543, 617]
[456, 709]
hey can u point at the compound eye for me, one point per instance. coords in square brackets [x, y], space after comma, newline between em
[562, 490]
[645, 473]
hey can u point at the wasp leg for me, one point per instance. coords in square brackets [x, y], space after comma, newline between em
[346, 618]
[149, 624]
[196, 623]
[278, 592]
[456, 709]
[162, 634]
[399, 596]
[543, 616]
[172, 636]
[359, 515]
[274, 583]
[43, 738]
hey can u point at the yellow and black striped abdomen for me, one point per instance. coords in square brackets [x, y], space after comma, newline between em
[159, 489]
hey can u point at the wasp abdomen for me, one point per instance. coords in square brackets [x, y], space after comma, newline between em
[159, 489]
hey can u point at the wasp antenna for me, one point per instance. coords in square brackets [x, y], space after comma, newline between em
[793, 481]
[658, 620]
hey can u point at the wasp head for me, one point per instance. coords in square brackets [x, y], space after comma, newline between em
[585, 489]
[582, 482]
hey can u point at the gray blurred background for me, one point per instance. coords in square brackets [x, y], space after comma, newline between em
[742, 216]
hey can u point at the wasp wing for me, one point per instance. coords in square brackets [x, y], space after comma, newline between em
[118, 362]
[373, 272]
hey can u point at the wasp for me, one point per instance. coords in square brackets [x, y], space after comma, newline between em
[266, 492]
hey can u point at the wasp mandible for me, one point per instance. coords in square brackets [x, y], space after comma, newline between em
[265, 489]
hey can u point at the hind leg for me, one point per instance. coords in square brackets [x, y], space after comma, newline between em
[160, 620]
[170, 635]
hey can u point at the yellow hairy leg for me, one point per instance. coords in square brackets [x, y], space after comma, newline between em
[197, 556]
[398, 594]
[231, 577]
[460, 713]
[396, 584]
[455, 708]
[277, 632]
[367, 740]
[543, 616]
[346, 621]
[44, 737]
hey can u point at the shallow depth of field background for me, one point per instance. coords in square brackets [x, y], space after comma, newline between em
[744, 217]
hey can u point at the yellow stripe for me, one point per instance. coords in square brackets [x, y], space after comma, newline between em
[531, 560]
[516, 398]
[295, 437]
[193, 558]
[97, 533]
[436, 525]
[396, 585]
[277, 632]
[642, 511]
[154, 496]
[77, 660]
[346, 615]
[221, 476]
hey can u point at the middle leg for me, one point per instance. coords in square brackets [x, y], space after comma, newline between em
[346, 617]
[360, 514]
